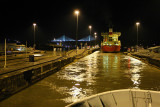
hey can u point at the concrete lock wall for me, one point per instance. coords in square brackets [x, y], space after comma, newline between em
[150, 60]
[154, 62]
[9, 84]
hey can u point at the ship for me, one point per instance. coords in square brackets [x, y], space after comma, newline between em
[110, 41]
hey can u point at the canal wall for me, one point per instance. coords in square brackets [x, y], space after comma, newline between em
[149, 59]
[13, 82]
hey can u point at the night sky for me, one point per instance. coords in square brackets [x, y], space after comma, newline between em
[57, 18]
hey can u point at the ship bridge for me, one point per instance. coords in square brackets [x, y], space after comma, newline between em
[111, 38]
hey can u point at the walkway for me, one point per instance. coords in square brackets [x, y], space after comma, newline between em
[21, 62]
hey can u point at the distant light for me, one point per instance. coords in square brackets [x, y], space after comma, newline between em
[38, 54]
[90, 26]
[95, 35]
[34, 24]
[19, 49]
[76, 12]
[137, 23]
[77, 84]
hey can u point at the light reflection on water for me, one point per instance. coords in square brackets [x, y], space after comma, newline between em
[82, 73]
[87, 72]
[136, 65]
[100, 72]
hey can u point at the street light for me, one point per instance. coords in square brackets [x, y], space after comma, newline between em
[137, 24]
[77, 13]
[34, 45]
[90, 27]
[95, 35]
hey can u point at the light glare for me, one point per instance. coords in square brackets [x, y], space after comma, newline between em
[137, 23]
[76, 12]
[34, 24]
[90, 27]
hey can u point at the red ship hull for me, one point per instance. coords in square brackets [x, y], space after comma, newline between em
[112, 48]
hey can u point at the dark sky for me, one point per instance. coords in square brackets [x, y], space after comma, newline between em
[57, 18]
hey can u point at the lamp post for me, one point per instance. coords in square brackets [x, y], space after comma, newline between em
[77, 13]
[34, 45]
[137, 24]
[95, 35]
[90, 28]
[5, 63]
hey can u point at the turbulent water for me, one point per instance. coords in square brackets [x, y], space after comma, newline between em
[90, 75]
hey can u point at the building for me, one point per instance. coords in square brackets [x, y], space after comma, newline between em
[12, 47]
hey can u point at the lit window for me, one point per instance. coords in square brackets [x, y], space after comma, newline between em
[110, 38]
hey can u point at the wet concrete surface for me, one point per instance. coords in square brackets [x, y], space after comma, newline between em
[95, 73]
